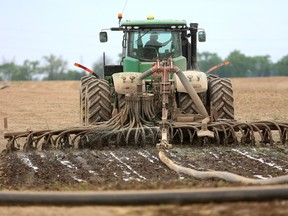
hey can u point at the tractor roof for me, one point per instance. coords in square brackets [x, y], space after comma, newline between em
[152, 23]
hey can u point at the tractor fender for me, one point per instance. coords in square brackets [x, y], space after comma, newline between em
[125, 82]
[197, 79]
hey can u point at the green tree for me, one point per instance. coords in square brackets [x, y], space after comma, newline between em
[7, 71]
[262, 66]
[11, 71]
[27, 70]
[240, 65]
[281, 67]
[207, 60]
[54, 65]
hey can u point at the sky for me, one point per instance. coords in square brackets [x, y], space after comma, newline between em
[31, 29]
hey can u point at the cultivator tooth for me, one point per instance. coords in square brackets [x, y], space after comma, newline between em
[204, 132]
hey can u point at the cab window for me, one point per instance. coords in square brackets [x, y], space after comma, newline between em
[150, 44]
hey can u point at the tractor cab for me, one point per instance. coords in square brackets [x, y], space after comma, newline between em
[145, 41]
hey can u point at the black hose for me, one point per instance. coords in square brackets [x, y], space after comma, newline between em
[146, 197]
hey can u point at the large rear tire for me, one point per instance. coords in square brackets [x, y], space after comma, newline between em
[83, 86]
[95, 100]
[221, 98]
[187, 105]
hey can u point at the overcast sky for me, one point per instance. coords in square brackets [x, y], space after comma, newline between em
[31, 29]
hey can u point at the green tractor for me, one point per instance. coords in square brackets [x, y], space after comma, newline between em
[156, 92]
[145, 44]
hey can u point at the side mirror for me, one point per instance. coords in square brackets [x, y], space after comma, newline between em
[201, 36]
[103, 37]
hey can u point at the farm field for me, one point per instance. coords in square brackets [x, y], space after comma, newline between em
[55, 105]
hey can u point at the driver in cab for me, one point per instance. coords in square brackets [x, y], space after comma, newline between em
[153, 42]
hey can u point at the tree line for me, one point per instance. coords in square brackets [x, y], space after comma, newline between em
[55, 68]
[241, 65]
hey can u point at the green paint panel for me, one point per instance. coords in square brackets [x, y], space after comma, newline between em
[134, 65]
[144, 66]
[181, 63]
[131, 65]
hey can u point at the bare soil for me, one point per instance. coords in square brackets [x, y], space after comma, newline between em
[54, 105]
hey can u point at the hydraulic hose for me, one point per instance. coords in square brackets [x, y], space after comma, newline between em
[155, 197]
[189, 88]
[227, 176]
[193, 94]
[144, 75]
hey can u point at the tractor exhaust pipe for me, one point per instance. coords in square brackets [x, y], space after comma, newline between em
[193, 31]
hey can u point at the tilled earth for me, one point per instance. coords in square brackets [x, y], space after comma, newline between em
[120, 169]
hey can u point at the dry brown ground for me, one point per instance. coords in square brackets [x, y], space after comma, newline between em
[54, 105]
[261, 98]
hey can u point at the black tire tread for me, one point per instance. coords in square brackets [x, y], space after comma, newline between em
[221, 98]
[95, 100]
